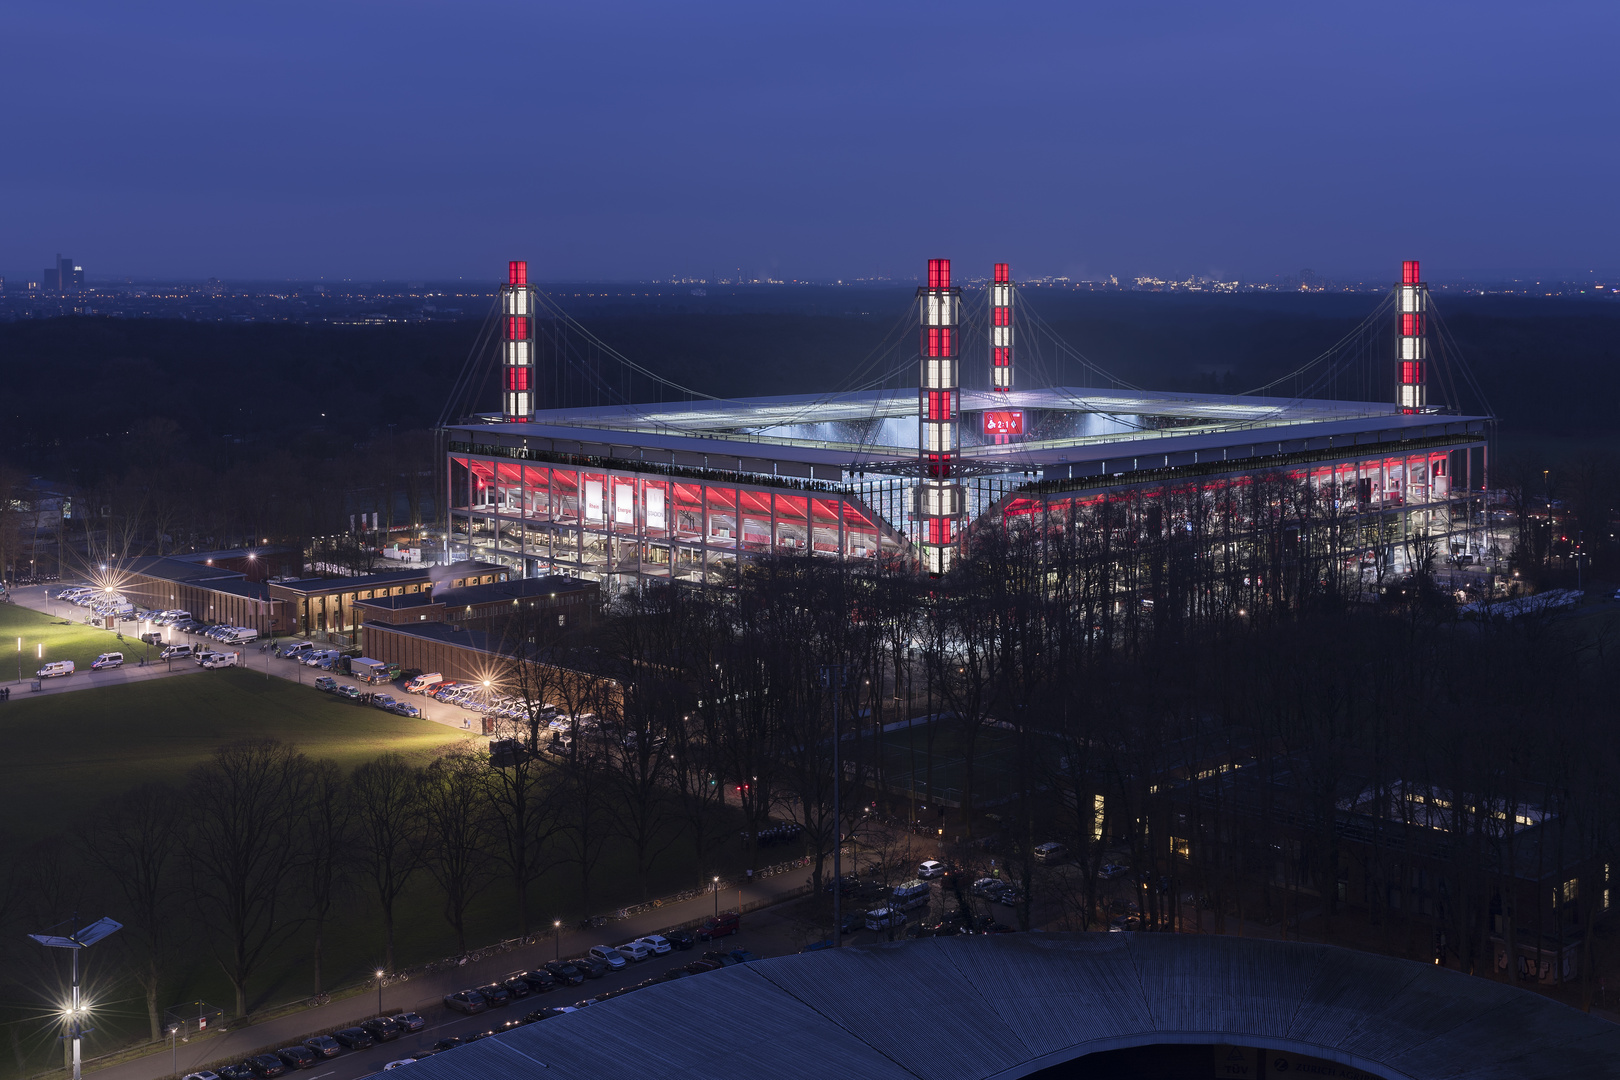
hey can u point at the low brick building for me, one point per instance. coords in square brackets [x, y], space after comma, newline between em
[213, 594]
[328, 606]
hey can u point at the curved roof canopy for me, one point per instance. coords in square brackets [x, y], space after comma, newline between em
[1010, 1005]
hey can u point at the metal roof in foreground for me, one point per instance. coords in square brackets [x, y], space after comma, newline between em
[1010, 1005]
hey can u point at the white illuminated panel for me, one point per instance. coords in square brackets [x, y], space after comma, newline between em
[1001, 337]
[1412, 348]
[624, 504]
[517, 352]
[1001, 296]
[1411, 298]
[517, 301]
[593, 501]
[655, 508]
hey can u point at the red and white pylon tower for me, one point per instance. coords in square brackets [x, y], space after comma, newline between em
[1001, 330]
[1412, 309]
[939, 496]
[517, 344]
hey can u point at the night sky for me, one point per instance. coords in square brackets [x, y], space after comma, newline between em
[816, 140]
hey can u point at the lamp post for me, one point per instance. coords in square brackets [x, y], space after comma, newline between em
[379, 991]
[77, 941]
[174, 1046]
[556, 939]
[834, 677]
[717, 896]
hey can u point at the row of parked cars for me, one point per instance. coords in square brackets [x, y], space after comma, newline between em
[310, 655]
[100, 601]
[386, 702]
[317, 1048]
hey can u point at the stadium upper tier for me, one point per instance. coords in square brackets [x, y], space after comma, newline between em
[827, 436]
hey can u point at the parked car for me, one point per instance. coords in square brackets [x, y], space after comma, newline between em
[852, 923]
[717, 956]
[1049, 853]
[659, 944]
[539, 980]
[399, 1064]
[680, 939]
[546, 1014]
[1112, 871]
[467, 1001]
[405, 708]
[517, 986]
[608, 955]
[565, 973]
[409, 1022]
[383, 701]
[449, 1042]
[593, 969]
[266, 1065]
[727, 922]
[987, 888]
[240, 1071]
[107, 660]
[355, 1038]
[202, 1074]
[931, 869]
[327, 683]
[495, 994]
[884, 918]
[698, 967]
[324, 1045]
[350, 692]
[382, 1029]
[635, 950]
[298, 1057]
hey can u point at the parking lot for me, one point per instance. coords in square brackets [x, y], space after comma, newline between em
[144, 661]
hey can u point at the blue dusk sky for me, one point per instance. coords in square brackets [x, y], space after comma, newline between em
[827, 140]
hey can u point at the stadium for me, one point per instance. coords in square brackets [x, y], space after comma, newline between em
[623, 492]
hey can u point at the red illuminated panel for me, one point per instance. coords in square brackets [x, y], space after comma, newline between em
[939, 273]
[937, 341]
[517, 273]
[1001, 356]
[1411, 325]
[1409, 272]
[1004, 422]
[1411, 373]
[1001, 316]
[937, 531]
[1002, 276]
[939, 405]
[517, 328]
[517, 377]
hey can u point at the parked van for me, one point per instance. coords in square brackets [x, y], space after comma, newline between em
[297, 649]
[239, 635]
[1048, 853]
[175, 652]
[108, 660]
[911, 894]
[219, 660]
[326, 683]
[55, 668]
[420, 684]
[321, 658]
[884, 918]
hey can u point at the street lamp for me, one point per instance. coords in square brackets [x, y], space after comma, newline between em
[717, 896]
[77, 941]
[379, 991]
[556, 939]
[174, 1046]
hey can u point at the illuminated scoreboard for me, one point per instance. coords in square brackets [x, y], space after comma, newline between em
[1003, 422]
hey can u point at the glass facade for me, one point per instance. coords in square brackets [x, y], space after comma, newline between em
[619, 526]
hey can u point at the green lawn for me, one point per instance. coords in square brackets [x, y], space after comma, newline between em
[67, 750]
[74, 641]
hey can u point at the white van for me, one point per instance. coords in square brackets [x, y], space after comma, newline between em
[239, 635]
[1048, 853]
[911, 894]
[218, 660]
[55, 668]
[884, 918]
[108, 660]
[175, 652]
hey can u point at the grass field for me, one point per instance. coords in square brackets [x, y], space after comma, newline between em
[66, 750]
[73, 641]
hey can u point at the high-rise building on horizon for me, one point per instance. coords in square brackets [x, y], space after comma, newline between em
[64, 277]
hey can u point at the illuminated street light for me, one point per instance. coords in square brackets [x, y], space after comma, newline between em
[379, 991]
[77, 1009]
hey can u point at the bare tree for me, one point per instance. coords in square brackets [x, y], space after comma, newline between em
[388, 822]
[325, 840]
[455, 831]
[244, 807]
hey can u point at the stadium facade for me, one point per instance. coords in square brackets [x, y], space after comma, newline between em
[685, 491]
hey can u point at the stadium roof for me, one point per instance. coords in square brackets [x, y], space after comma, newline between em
[1010, 1005]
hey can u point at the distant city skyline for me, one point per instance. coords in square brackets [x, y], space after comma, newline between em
[644, 141]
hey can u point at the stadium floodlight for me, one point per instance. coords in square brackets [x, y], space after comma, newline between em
[79, 940]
